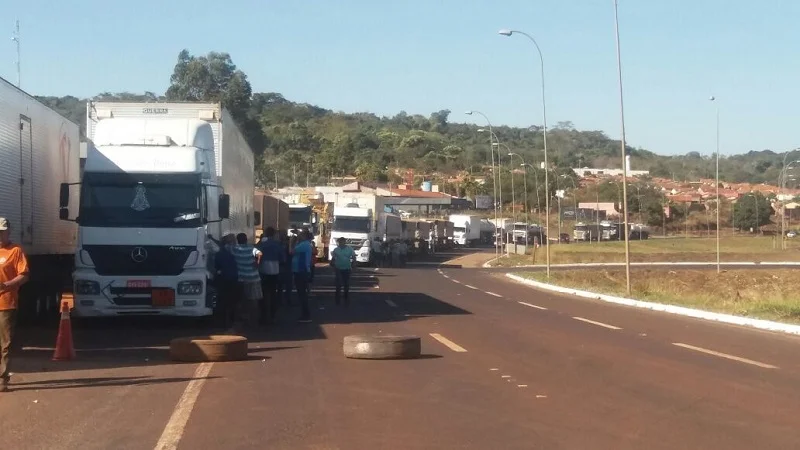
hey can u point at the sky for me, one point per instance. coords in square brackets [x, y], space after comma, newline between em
[426, 55]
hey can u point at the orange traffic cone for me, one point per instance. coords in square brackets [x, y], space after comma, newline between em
[65, 351]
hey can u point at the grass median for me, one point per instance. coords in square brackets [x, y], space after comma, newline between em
[732, 249]
[762, 293]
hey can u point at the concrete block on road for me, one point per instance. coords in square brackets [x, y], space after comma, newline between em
[382, 347]
[208, 348]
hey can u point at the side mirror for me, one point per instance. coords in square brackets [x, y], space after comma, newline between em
[256, 218]
[224, 206]
[63, 196]
[63, 213]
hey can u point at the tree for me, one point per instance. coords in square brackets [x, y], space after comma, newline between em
[215, 78]
[752, 211]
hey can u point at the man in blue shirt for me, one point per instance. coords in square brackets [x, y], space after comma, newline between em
[272, 256]
[227, 281]
[301, 269]
[342, 262]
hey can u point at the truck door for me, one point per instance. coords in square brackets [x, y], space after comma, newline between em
[26, 179]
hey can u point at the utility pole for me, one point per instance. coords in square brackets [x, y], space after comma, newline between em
[16, 38]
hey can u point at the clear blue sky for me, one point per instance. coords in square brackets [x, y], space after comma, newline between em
[425, 55]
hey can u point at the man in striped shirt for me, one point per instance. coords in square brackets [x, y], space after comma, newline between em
[247, 260]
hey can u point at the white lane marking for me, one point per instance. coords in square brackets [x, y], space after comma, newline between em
[448, 343]
[456, 281]
[505, 376]
[599, 324]
[522, 385]
[532, 305]
[493, 294]
[446, 276]
[470, 286]
[375, 269]
[172, 433]
[725, 355]
[391, 303]
[493, 369]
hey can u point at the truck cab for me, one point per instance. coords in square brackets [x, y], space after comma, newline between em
[355, 225]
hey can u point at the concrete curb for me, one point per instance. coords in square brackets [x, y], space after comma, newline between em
[671, 309]
[657, 263]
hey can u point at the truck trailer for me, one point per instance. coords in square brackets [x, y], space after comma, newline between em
[270, 212]
[162, 183]
[39, 150]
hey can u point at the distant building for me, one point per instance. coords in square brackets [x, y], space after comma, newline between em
[586, 171]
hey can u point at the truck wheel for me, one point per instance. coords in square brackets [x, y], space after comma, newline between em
[208, 348]
[381, 347]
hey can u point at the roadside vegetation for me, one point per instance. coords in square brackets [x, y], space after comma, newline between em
[757, 293]
[732, 249]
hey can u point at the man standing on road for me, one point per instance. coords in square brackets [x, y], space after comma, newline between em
[271, 258]
[342, 261]
[13, 274]
[301, 269]
[247, 259]
[227, 281]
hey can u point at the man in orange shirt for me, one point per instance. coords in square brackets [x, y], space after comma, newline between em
[13, 274]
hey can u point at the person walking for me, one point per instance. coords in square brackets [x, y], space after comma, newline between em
[13, 274]
[343, 258]
[227, 282]
[301, 269]
[247, 260]
[271, 258]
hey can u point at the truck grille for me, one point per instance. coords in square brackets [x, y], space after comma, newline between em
[149, 259]
[354, 242]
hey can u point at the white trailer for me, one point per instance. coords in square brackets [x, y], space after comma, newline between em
[162, 182]
[39, 150]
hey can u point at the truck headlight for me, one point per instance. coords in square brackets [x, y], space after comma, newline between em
[190, 287]
[87, 287]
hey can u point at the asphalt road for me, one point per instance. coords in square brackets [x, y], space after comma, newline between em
[504, 366]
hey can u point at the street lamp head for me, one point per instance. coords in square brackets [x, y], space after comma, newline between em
[505, 32]
[481, 130]
[712, 98]
[469, 113]
[495, 144]
[511, 153]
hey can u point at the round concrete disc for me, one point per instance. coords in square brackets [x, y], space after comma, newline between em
[381, 347]
[208, 348]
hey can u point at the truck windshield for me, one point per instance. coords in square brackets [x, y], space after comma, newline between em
[299, 216]
[459, 229]
[141, 200]
[351, 224]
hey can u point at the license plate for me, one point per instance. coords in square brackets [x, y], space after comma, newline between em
[138, 283]
[163, 297]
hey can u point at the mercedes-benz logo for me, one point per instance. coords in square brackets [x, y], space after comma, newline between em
[139, 254]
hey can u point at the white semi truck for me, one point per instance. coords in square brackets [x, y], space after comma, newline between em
[161, 183]
[39, 149]
[466, 229]
[360, 224]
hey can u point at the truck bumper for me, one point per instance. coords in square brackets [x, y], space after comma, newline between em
[106, 296]
[362, 255]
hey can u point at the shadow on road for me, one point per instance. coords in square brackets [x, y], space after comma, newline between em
[144, 341]
[71, 383]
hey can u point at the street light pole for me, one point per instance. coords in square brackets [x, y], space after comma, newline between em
[624, 165]
[494, 176]
[544, 132]
[713, 99]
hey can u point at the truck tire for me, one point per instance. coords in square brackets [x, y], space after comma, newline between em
[381, 347]
[208, 348]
